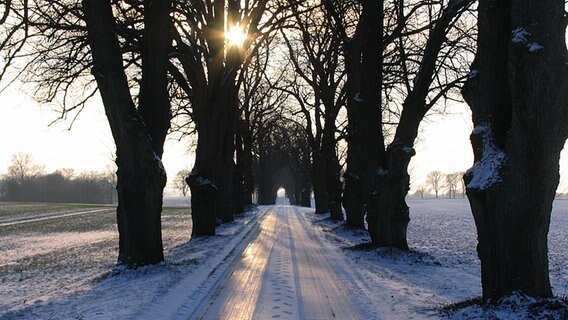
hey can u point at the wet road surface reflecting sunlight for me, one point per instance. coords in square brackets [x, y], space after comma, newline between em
[282, 274]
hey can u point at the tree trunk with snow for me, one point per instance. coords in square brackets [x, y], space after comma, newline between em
[139, 134]
[372, 144]
[334, 187]
[211, 180]
[353, 193]
[518, 92]
[387, 209]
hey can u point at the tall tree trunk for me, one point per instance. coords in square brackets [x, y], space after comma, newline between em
[154, 99]
[353, 194]
[333, 184]
[306, 197]
[238, 198]
[518, 92]
[247, 165]
[238, 176]
[392, 181]
[370, 116]
[139, 141]
[332, 167]
[266, 196]
[319, 182]
[211, 178]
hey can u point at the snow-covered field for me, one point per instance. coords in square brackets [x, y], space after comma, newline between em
[63, 267]
[442, 267]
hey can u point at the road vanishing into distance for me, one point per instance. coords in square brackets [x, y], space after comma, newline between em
[282, 274]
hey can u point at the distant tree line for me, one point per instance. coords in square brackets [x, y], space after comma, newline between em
[26, 181]
[436, 182]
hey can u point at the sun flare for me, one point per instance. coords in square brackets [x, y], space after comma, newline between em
[236, 36]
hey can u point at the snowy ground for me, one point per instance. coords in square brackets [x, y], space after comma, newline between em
[442, 267]
[62, 267]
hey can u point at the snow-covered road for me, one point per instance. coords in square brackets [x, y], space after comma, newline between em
[282, 274]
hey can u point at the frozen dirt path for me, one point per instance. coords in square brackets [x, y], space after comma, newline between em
[282, 274]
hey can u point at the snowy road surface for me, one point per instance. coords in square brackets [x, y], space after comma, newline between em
[282, 274]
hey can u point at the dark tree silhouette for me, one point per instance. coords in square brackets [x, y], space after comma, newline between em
[377, 175]
[207, 69]
[66, 44]
[139, 133]
[518, 92]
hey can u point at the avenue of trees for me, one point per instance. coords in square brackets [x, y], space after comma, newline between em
[309, 80]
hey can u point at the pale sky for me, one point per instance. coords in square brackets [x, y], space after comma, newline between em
[443, 144]
[87, 146]
[24, 126]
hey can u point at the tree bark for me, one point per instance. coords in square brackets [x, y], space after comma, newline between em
[333, 184]
[246, 165]
[154, 99]
[141, 176]
[518, 91]
[353, 193]
[370, 116]
[212, 173]
[319, 183]
[392, 181]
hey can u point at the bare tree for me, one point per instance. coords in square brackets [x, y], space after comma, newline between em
[517, 91]
[60, 46]
[315, 54]
[206, 68]
[381, 176]
[22, 168]
[435, 180]
[260, 106]
[139, 133]
[421, 189]
[179, 182]
[452, 180]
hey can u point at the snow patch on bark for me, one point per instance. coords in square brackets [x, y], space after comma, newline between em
[534, 47]
[358, 97]
[382, 172]
[353, 176]
[160, 165]
[520, 35]
[201, 181]
[485, 172]
[408, 149]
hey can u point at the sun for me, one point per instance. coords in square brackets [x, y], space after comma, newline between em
[236, 36]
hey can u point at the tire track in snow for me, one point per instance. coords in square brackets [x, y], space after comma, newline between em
[55, 216]
[295, 278]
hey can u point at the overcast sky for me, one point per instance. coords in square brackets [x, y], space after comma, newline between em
[88, 145]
